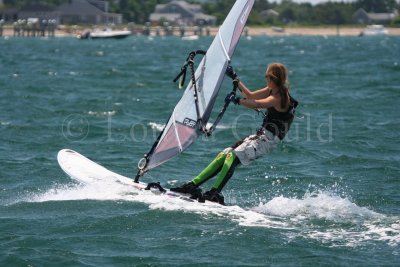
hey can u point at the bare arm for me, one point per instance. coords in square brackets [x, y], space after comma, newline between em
[268, 102]
[259, 94]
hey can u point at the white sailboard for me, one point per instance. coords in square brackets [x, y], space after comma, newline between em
[88, 172]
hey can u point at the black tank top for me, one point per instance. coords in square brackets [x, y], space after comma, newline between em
[277, 122]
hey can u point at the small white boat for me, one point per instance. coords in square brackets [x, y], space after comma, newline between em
[190, 38]
[278, 29]
[105, 34]
[374, 30]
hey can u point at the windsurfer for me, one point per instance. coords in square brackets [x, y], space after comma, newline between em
[280, 107]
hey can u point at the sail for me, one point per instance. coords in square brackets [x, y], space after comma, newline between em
[182, 128]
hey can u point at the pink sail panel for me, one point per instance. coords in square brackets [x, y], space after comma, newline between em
[177, 138]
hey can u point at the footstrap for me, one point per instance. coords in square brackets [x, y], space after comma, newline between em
[156, 186]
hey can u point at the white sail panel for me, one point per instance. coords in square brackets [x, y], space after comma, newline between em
[181, 130]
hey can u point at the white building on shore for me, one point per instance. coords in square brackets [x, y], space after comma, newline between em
[181, 13]
[70, 12]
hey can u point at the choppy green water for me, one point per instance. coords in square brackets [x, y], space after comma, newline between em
[329, 195]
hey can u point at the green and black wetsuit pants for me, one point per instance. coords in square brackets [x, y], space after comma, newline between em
[224, 164]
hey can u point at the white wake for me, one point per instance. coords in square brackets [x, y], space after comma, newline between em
[319, 215]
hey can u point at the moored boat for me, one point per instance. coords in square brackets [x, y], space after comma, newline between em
[374, 30]
[105, 34]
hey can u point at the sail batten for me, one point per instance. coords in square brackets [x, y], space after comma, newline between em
[190, 114]
[223, 46]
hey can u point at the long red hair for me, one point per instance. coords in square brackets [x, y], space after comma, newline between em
[278, 73]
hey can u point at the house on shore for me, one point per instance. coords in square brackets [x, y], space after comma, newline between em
[363, 17]
[70, 12]
[36, 11]
[181, 13]
[86, 12]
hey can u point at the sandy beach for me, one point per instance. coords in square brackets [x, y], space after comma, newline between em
[254, 31]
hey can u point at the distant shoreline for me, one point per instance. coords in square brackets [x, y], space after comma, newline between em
[257, 31]
[318, 31]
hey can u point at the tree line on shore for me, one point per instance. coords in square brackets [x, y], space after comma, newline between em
[333, 13]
